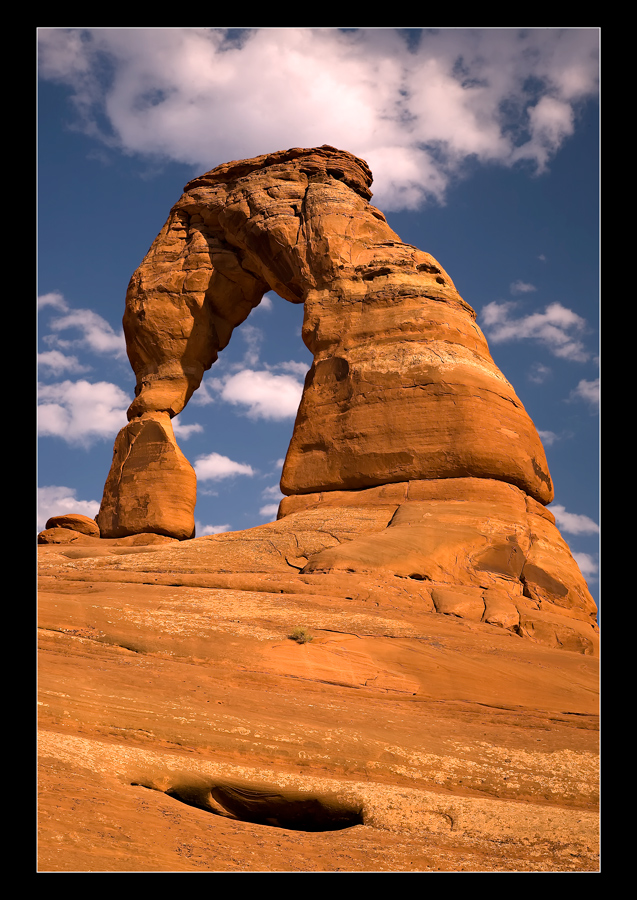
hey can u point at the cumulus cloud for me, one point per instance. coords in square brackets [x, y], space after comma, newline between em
[92, 331]
[55, 500]
[215, 467]
[205, 393]
[56, 363]
[587, 564]
[551, 120]
[95, 333]
[258, 390]
[202, 530]
[271, 392]
[274, 495]
[298, 368]
[557, 328]
[416, 105]
[81, 413]
[54, 299]
[573, 523]
[587, 390]
[269, 511]
[185, 431]
[266, 304]
[261, 394]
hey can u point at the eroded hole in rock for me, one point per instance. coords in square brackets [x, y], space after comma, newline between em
[376, 273]
[263, 804]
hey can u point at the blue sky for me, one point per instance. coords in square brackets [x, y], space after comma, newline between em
[484, 145]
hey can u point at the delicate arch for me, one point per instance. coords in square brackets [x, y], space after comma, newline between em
[402, 386]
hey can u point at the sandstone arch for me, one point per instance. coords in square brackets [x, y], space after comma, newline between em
[448, 615]
[402, 388]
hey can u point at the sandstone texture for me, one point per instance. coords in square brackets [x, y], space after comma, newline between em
[426, 727]
[75, 522]
[441, 712]
[402, 386]
[151, 486]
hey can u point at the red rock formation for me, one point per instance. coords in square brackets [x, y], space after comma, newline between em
[402, 386]
[416, 710]
[444, 714]
[403, 395]
[151, 487]
[75, 522]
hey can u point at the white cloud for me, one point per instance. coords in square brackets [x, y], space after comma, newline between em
[202, 96]
[522, 287]
[548, 437]
[215, 467]
[587, 390]
[588, 566]
[201, 530]
[54, 299]
[573, 523]
[272, 493]
[262, 394]
[258, 389]
[269, 511]
[253, 337]
[266, 304]
[56, 362]
[298, 368]
[184, 431]
[205, 393]
[81, 413]
[55, 500]
[95, 333]
[539, 373]
[557, 328]
[550, 122]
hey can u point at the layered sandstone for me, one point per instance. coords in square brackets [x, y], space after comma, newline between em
[74, 522]
[151, 487]
[443, 715]
[402, 390]
[181, 730]
[402, 386]
[484, 542]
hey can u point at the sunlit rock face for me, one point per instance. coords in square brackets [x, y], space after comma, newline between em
[151, 487]
[444, 692]
[402, 395]
[402, 386]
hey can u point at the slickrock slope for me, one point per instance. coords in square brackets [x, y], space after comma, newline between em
[437, 742]
[437, 709]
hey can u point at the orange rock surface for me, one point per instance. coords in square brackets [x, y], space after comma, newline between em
[434, 727]
[399, 674]
[402, 386]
